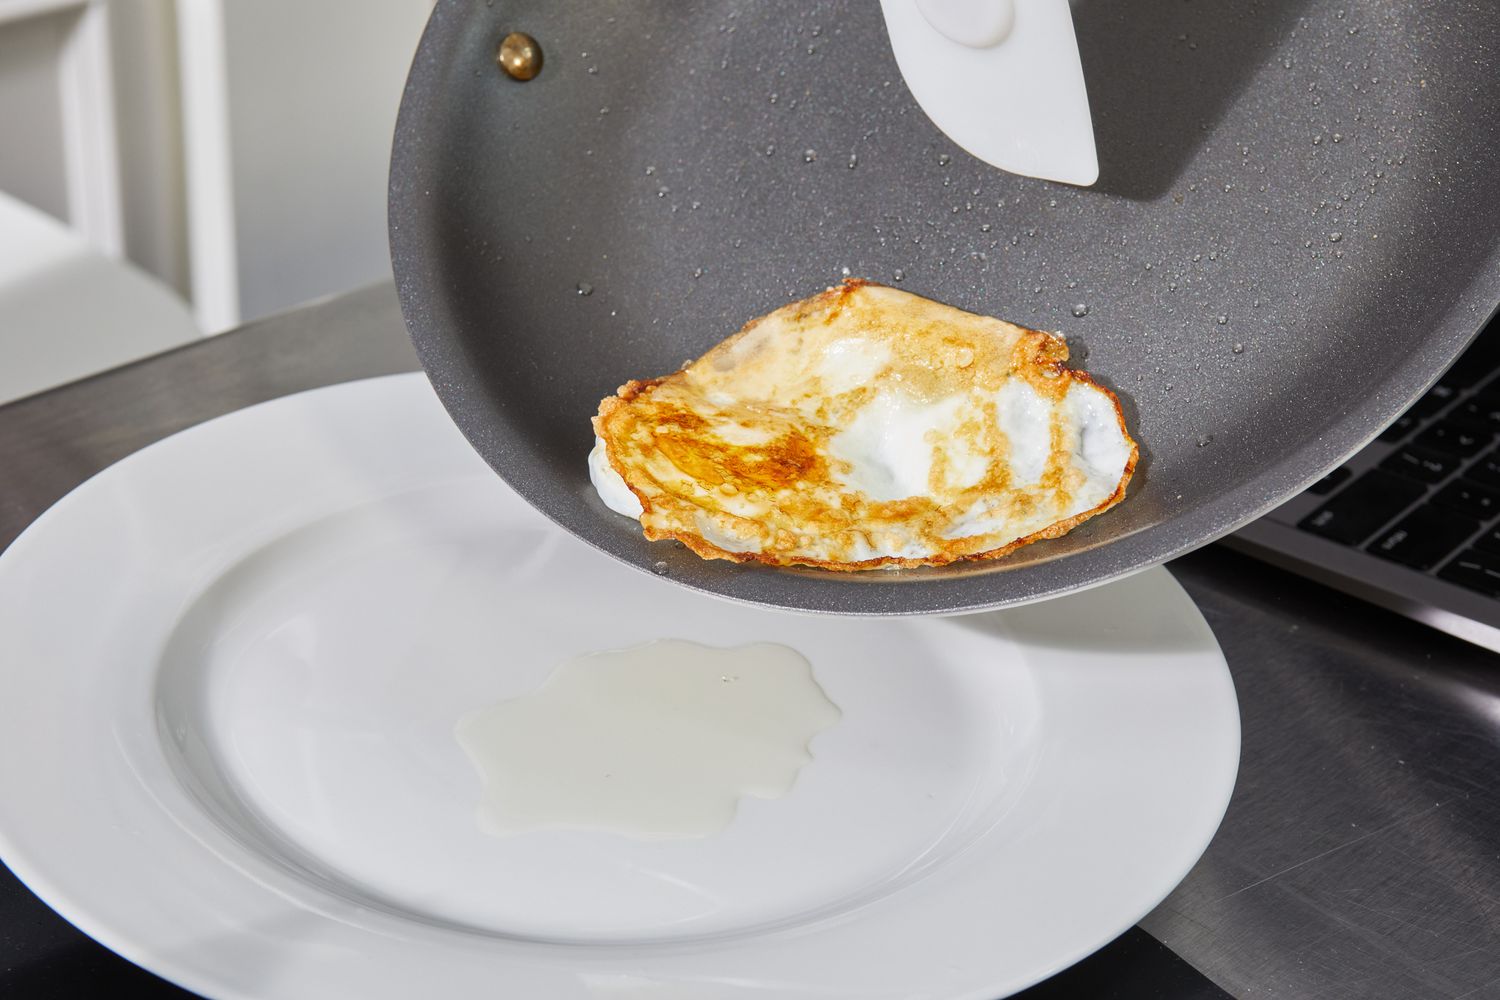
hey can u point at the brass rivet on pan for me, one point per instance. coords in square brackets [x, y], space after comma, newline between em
[520, 56]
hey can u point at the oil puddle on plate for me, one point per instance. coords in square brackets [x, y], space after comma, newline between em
[658, 741]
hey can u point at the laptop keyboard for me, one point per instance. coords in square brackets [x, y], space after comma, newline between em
[1433, 503]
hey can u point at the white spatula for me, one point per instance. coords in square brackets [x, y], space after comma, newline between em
[1001, 78]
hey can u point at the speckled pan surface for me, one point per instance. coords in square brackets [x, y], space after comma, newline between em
[1296, 228]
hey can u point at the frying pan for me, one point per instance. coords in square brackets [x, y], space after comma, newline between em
[1296, 228]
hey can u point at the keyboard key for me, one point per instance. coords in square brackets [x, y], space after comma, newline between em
[1477, 362]
[1453, 438]
[1469, 498]
[1330, 482]
[1428, 466]
[1486, 470]
[1399, 428]
[1424, 538]
[1362, 507]
[1481, 411]
[1476, 570]
[1432, 401]
[1489, 542]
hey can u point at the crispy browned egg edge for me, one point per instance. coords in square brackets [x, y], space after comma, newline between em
[1050, 353]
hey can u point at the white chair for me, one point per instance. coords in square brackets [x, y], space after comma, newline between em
[67, 311]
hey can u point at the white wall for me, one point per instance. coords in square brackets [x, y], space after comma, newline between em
[31, 135]
[148, 101]
[313, 88]
[253, 139]
[69, 305]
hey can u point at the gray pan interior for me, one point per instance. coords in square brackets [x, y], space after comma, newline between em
[1294, 231]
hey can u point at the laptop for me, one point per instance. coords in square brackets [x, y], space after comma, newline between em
[1412, 521]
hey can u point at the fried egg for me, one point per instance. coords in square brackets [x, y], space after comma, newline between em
[865, 427]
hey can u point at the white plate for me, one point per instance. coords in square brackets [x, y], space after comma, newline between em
[232, 667]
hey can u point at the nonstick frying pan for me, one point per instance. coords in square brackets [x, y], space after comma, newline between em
[1296, 228]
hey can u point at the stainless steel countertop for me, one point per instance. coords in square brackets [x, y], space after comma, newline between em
[1360, 857]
